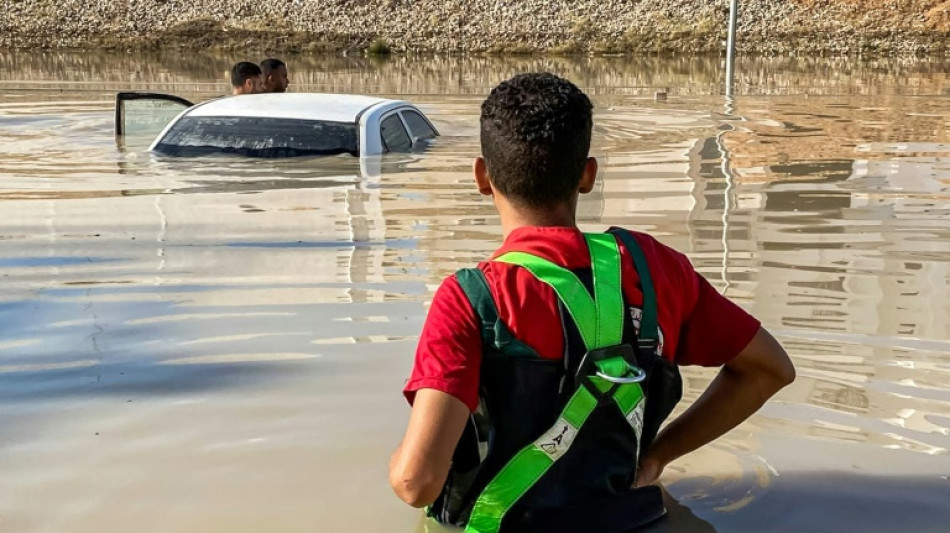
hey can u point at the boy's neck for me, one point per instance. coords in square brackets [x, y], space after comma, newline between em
[514, 217]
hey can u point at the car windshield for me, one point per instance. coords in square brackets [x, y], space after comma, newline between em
[258, 137]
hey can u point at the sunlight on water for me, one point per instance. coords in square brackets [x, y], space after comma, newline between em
[220, 343]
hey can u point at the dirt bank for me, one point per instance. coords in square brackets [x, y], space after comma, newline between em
[825, 27]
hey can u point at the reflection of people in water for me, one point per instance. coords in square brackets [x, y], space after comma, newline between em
[275, 76]
[246, 78]
[542, 377]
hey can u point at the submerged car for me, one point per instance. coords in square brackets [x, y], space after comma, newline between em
[275, 125]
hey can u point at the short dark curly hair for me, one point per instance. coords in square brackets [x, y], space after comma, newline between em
[535, 136]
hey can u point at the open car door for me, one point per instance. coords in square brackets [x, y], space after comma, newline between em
[144, 115]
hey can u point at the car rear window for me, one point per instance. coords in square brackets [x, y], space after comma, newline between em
[258, 137]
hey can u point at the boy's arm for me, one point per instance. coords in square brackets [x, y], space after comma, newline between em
[419, 466]
[443, 391]
[743, 385]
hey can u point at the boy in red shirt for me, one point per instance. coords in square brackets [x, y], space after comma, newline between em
[540, 345]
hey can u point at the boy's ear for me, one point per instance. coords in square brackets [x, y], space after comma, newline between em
[482, 181]
[588, 177]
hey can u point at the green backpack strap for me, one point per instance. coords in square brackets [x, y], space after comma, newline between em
[495, 334]
[534, 460]
[649, 327]
[599, 319]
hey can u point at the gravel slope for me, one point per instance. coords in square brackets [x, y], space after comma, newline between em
[502, 26]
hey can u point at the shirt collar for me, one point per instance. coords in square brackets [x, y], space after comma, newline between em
[561, 245]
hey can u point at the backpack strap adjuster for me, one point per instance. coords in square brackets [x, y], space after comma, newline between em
[648, 346]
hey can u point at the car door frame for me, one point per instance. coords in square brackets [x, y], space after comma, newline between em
[141, 95]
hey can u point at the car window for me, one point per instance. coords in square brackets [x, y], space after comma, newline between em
[421, 130]
[394, 134]
[258, 137]
[146, 114]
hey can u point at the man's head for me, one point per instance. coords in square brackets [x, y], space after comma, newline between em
[535, 135]
[275, 76]
[246, 78]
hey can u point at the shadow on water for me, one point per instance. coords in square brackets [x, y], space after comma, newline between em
[90, 378]
[825, 502]
[679, 518]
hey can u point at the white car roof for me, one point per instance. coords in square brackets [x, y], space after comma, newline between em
[304, 106]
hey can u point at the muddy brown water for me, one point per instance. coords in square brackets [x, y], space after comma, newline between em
[219, 344]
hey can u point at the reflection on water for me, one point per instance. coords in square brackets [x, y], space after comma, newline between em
[220, 343]
[55, 75]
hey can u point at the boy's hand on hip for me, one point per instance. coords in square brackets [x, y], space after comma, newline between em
[649, 471]
[746, 382]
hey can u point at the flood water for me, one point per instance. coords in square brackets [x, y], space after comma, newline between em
[219, 344]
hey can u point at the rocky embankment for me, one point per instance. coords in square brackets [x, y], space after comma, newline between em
[827, 27]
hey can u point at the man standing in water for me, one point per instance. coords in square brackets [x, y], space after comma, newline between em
[542, 377]
[246, 78]
[275, 76]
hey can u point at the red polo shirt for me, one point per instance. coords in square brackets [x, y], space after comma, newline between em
[698, 326]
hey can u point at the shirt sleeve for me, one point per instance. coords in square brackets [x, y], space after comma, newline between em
[448, 357]
[716, 330]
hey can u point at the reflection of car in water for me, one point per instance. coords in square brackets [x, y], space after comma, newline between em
[310, 214]
[274, 125]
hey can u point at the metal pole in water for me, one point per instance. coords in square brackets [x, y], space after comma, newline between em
[731, 47]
